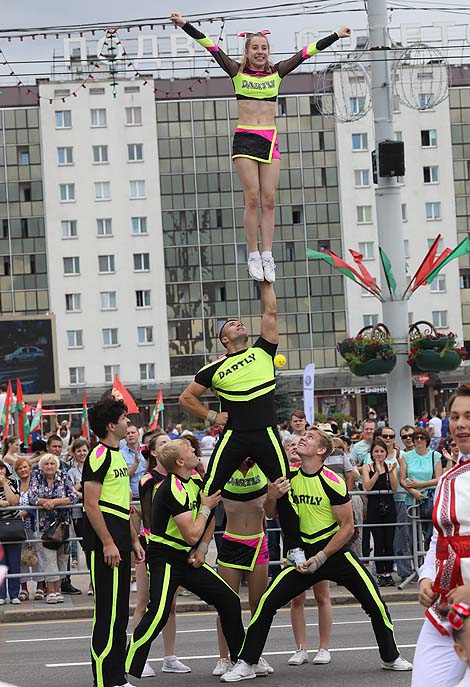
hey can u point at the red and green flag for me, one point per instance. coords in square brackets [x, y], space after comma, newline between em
[119, 391]
[462, 249]
[158, 407]
[85, 428]
[342, 266]
[387, 268]
[6, 413]
[23, 418]
[366, 275]
[36, 422]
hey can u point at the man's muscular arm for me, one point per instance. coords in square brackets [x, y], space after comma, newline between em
[191, 403]
[269, 330]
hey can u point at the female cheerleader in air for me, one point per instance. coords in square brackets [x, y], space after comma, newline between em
[255, 151]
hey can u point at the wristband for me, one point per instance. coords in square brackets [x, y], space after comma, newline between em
[211, 416]
[205, 511]
[202, 546]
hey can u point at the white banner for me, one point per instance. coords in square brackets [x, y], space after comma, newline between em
[309, 408]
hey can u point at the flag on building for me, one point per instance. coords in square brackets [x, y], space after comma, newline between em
[36, 422]
[6, 413]
[158, 407]
[23, 418]
[119, 391]
[85, 428]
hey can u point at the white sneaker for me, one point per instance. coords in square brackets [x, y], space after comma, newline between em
[322, 657]
[255, 268]
[126, 684]
[296, 556]
[398, 664]
[148, 671]
[240, 671]
[269, 269]
[299, 658]
[263, 667]
[223, 666]
[172, 664]
[3, 602]
[15, 601]
[134, 586]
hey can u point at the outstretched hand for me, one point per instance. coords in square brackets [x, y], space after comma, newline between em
[177, 19]
[344, 32]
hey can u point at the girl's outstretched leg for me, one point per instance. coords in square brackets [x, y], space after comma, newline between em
[248, 174]
[269, 181]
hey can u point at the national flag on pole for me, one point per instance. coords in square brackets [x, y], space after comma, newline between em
[120, 391]
[85, 429]
[462, 249]
[6, 413]
[342, 266]
[428, 263]
[366, 275]
[389, 276]
[36, 422]
[23, 418]
[158, 407]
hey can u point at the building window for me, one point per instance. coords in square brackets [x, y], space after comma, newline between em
[465, 279]
[106, 264]
[77, 375]
[433, 212]
[108, 300]
[135, 152]
[72, 265]
[110, 337]
[425, 101]
[5, 232]
[145, 335]
[297, 214]
[404, 216]
[67, 193]
[361, 178]
[370, 320]
[137, 188]
[364, 214]
[138, 225]
[357, 104]
[220, 294]
[440, 245]
[147, 371]
[439, 319]
[398, 136]
[406, 248]
[133, 116]
[360, 142]
[141, 262]
[69, 229]
[98, 117]
[367, 249]
[25, 191]
[110, 372]
[281, 107]
[65, 155]
[100, 154]
[63, 119]
[74, 338]
[431, 174]
[428, 138]
[102, 190]
[73, 302]
[104, 226]
[24, 227]
[23, 156]
[142, 298]
[438, 285]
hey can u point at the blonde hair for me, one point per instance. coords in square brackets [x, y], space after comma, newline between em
[169, 454]
[47, 456]
[326, 441]
[244, 60]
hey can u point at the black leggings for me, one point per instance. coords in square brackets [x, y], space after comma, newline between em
[265, 447]
[165, 578]
[383, 546]
[343, 568]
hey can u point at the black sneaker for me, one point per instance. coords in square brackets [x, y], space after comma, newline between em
[390, 581]
[381, 581]
[68, 588]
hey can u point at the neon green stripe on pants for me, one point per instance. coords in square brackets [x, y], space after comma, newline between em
[220, 448]
[275, 443]
[99, 659]
[371, 589]
[134, 645]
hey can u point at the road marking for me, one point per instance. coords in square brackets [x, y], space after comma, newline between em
[216, 656]
[194, 631]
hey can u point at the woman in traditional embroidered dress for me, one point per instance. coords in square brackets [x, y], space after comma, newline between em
[255, 151]
[445, 574]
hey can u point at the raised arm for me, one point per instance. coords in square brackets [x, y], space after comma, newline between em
[191, 403]
[229, 66]
[286, 66]
[269, 330]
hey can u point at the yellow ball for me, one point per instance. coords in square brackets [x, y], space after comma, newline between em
[280, 360]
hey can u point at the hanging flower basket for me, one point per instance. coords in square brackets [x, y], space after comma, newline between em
[431, 351]
[370, 352]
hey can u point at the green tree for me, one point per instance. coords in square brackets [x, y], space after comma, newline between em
[281, 399]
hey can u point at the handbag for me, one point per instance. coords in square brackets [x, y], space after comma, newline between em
[28, 557]
[11, 530]
[426, 505]
[56, 534]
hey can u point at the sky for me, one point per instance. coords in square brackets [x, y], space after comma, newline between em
[31, 13]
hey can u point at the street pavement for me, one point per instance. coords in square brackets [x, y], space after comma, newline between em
[55, 653]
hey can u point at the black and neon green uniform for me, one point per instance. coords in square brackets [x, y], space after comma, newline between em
[314, 497]
[107, 466]
[244, 383]
[167, 556]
